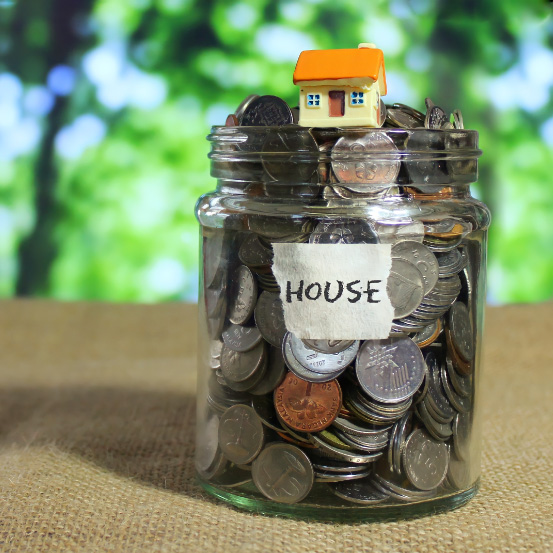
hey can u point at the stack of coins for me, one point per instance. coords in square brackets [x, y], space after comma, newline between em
[375, 421]
[365, 422]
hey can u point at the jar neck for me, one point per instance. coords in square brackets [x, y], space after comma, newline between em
[259, 190]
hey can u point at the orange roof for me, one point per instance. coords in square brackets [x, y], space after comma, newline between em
[349, 63]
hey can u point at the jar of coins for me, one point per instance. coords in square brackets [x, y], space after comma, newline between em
[341, 303]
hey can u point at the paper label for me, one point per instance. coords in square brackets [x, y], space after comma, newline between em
[335, 291]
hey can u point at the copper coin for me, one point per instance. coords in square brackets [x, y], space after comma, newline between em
[232, 121]
[307, 406]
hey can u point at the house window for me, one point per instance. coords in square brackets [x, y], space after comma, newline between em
[313, 100]
[357, 98]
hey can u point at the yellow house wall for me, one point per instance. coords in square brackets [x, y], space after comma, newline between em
[365, 115]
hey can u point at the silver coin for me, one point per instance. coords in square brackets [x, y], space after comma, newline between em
[404, 428]
[462, 429]
[233, 477]
[299, 370]
[341, 454]
[267, 111]
[458, 119]
[269, 318]
[281, 149]
[422, 258]
[253, 253]
[243, 296]
[207, 447]
[328, 477]
[435, 115]
[214, 259]
[357, 429]
[362, 492]
[426, 333]
[239, 366]
[438, 430]
[352, 161]
[460, 404]
[265, 409]
[323, 363]
[369, 445]
[401, 118]
[330, 465]
[274, 375]
[241, 434]
[243, 105]
[461, 384]
[461, 330]
[425, 460]
[415, 113]
[436, 397]
[283, 473]
[390, 370]
[241, 338]
[405, 287]
[400, 492]
[458, 474]
[392, 233]
[344, 231]
[328, 346]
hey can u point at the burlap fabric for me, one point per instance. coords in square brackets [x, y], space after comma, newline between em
[97, 441]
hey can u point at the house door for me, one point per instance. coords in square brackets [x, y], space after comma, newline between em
[336, 103]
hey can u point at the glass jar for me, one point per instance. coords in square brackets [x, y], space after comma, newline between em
[340, 321]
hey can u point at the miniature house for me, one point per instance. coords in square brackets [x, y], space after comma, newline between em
[341, 88]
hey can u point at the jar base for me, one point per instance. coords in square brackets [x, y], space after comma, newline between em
[336, 511]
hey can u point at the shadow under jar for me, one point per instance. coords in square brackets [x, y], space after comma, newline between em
[348, 422]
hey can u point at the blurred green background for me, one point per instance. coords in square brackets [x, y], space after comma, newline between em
[105, 104]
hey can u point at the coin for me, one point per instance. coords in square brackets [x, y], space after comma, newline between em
[461, 384]
[241, 434]
[392, 233]
[458, 474]
[274, 374]
[244, 104]
[241, 338]
[460, 404]
[422, 258]
[352, 161]
[299, 370]
[283, 473]
[307, 406]
[266, 111]
[435, 115]
[461, 331]
[390, 370]
[233, 477]
[253, 254]
[405, 287]
[429, 335]
[281, 149]
[239, 366]
[269, 318]
[333, 452]
[243, 295]
[401, 118]
[362, 492]
[462, 428]
[208, 452]
[232, 121]
[425, 460]
[328, 346]
[323, 363]
[344, 231]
